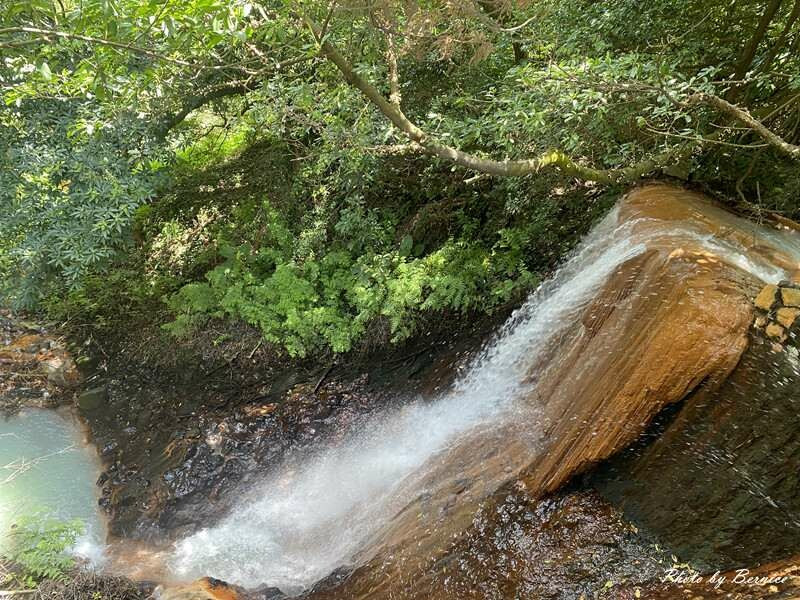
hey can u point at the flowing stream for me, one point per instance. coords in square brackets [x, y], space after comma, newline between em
[312, 515]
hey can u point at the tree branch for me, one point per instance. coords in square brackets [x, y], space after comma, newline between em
[194, 102]
[233, 88]
[48, 33]
[743, 116]
[504, 168]
[749, 50]
[778, 46]
[394, 80]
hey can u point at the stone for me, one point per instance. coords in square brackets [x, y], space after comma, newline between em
[93, 398]
[790, 297]
[206, 588]
[775, 331]
[787, 316]
[760, 322]
[60, 371]
[767, 297]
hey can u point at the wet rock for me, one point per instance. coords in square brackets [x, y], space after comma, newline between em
[93, 399]
[265, 593]
[202, 589]
[717, 478]
[667, 323]
[558, 548]
[767, 297]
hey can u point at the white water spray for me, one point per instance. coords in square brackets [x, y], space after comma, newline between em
[307, 518]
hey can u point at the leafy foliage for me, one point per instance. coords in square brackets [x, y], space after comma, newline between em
[330, 301]
[205, 153]
[39, 545]
[68, 192]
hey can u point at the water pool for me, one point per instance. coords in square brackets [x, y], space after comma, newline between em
[46, 466]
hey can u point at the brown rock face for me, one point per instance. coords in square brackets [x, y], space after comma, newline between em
[718, 480]
[670, 322]
[658, 329]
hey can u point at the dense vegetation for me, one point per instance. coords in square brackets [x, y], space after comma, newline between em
[337, 173]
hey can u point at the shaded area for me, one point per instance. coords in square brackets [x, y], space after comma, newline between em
[719, 481]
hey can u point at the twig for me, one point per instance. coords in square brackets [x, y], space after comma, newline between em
[253, 352]
[20, 466]
[321, 379]
[46, 33]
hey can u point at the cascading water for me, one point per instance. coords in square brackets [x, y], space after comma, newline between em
[309, 516]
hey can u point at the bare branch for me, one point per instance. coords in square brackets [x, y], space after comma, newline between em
[21, 465]
[743, 116]
[45, 36]
[226, 89]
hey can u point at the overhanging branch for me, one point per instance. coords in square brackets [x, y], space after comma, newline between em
[224, 90]
[503, 168]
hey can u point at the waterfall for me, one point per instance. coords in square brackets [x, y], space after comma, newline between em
[311, 515]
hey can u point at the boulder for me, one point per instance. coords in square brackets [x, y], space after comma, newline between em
[787, 316]
[61, 371]
[715, 480]
[93, 398]
[775, 331]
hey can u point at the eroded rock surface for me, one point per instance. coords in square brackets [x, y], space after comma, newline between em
[671, 322]
[718, 479]
[203, 589]
[665, 330]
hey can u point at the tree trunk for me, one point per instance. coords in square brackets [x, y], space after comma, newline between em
[781, 42]
[749, 51]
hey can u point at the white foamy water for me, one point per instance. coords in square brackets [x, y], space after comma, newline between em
[307, 518]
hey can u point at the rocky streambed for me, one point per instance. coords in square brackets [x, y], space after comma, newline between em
[649, 451]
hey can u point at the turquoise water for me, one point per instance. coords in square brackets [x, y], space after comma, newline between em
[46, 466]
